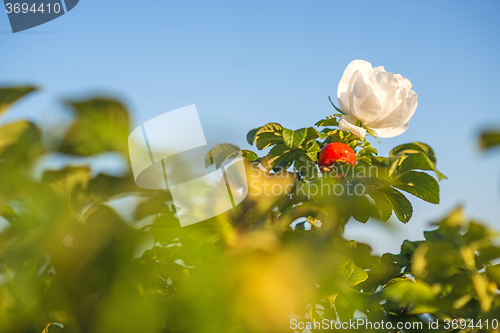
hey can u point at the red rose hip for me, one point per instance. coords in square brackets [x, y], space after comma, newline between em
[334, 153]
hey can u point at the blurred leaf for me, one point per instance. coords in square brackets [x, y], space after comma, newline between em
[409, 292]
[493, 272]
[8, 96]
[68, 183]
[101, 125]
[489, 139]
[293, 139]
[7, 212]
[455, 219]
[419, 184]
[345, 307]
[477, 232]
[20, 141]
[156, 203]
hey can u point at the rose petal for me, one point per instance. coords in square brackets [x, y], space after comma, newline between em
[345, 125]
[400, 115]
[389, 132]
[365, 104]
[342, 89]
[389, 91]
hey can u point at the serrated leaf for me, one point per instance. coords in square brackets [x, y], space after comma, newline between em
[9, 96]
[249, 155]
[220, 153]
[419, 161]
[293, 139]
[267, 139]
[312, 134]
[312, 150]
[277, 153]
[270, 128]
[401, 206]
[383, 204]
[351, 273]
[414, 147]
[327, 122]
[251, 136]
[419, 184]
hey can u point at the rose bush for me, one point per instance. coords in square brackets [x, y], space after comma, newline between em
[382, 102]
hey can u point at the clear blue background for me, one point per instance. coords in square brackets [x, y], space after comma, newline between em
[246, 63]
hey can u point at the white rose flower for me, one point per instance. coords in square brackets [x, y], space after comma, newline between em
[381, 101]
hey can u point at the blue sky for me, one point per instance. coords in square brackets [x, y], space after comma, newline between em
[246, 63]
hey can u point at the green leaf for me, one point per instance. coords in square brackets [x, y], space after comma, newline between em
[7, 212]
[351, 273]
[20, 141]
[493, 272]
[249, 155]
[327, 122]
[419, 184]
[267, 139]
[455, 219]
[293, 139]
[306, 167]
[414, 147]
[101, 125]
[9, 96]
[271, 128]
[277, 154]
[267, 135]
[407, 291]
[220, 153]
[345, 307]
[402, 207]
[68, 183]
[383, 204]
[251, 136]
[363, 209]
[312, 134]
[368, 151]
[312, 150]
[489, 139]
[419, 161]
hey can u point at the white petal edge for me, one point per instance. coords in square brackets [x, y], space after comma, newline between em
[389, 132]
[344, 125]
